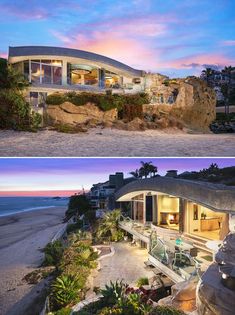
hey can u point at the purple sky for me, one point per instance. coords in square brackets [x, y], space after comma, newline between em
[40, 174]
[176, 38]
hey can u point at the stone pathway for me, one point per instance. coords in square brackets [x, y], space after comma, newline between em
[127, 263]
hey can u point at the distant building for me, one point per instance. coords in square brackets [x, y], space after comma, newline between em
[102, 195]
[171, 173]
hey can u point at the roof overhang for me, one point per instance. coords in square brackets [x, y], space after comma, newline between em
[215, 197]
[17, 54]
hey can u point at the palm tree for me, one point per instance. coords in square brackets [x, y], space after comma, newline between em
[135, 173]
[108, 226]
[207, 73]
[153, 170]
[145, 169]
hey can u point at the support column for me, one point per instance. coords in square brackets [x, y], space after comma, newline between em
[102, 78]
[181, 214]
[155, 210]
[144, 208]
[64, 73]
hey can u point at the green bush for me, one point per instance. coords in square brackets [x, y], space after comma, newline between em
[166, 310]
[15, 112]
[103, 101]
[74, 227]
[53, 253]
[65, 290]
[56, 99]
[62, 311]
[142, 281]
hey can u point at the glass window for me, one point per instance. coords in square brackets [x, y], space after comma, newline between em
[57, 75]
[26, 69]
[46, 74]
[35, 72]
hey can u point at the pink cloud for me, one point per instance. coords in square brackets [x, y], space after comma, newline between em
[127, 50]
[194, 61]
[3, 55]
[228, 43]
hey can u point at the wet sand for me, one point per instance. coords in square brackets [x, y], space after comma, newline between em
[111, 142]
[22, 236]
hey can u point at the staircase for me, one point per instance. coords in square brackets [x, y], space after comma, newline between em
[198, 242]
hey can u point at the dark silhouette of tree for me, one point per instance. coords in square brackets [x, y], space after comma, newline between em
[135, 173]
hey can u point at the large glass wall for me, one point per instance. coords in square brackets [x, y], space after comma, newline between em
[43, 71]
[82, 74]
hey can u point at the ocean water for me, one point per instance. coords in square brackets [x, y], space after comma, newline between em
[12, 205]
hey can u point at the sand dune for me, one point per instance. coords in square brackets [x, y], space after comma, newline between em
[110, 142]
[21, 238]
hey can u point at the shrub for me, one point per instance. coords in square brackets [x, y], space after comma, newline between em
[103, 101]
[65, 290]
[53, 253]
[166, 310]
[56, 99]
[62, 311]
[74, 227]
[142, 281]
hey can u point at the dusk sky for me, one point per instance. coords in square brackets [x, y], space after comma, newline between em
[38, 176]
[176, 38]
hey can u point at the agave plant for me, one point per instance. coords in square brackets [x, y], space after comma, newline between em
[65, 290]
[113, 292]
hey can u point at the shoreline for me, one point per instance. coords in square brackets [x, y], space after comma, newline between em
[105, 142]
[27, 210]
[22, 237]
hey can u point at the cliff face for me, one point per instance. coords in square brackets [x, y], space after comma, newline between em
[190, 101]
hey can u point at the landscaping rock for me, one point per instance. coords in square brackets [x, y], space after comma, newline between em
[183, 296]
[68, 113]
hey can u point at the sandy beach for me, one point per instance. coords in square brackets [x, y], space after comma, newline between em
[22, 236]
[112, 142]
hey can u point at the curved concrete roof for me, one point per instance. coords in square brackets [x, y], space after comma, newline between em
[73, 53]
[215, 197]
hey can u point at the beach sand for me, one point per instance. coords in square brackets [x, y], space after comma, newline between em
[22, 236]
[112, 142]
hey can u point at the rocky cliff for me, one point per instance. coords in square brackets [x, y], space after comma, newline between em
[189, 101]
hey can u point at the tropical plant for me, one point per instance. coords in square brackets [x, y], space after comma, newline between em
[113, 292]
[166, 310]
[78, 205]
[135, 173]
[108, 226]
[53, 253]
[142, 281]
[65, 290]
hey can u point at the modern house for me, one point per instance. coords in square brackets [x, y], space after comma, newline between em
[102, 195]
[54, 69]
[169, 213]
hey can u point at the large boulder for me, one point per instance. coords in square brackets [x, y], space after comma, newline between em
[183, 296]
[216, 290]
[189, 101]
[70, 114]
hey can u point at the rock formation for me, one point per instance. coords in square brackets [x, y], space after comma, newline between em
[216, 290]
[189, 101]
[70, 114]
[183, 295]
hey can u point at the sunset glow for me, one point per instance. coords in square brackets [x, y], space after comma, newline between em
[64, 177]
[176, 38]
